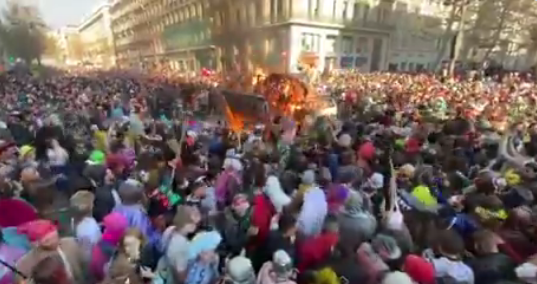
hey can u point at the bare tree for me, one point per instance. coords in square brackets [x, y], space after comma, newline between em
[511, 12]
[23, 32]
[447, 36]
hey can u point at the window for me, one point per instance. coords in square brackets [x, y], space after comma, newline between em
[346, 44]
[313, 7]
[270, 45]
[382, 15]
[310, 42]
[356, 13]
[403, 66]
[362, 45]
[219, 19]
[360, 61]
[329, 63]
[438, 43]
[366, 12]
[330, 44]
[344, 10]
[259, 12]
[334, 8]
[346, 62]
[238, 17]
[411, 66]
[272, 9]
[280, 9]
[251, 14]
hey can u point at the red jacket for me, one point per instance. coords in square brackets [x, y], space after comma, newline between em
[313, 251]
[262, 215]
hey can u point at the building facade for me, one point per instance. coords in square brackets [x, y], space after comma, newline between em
[417, 40]
[174, 34]
[292, 35]
[70, 53]
[245, 35]
[97, 39]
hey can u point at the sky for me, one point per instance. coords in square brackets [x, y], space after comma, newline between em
[59, 13]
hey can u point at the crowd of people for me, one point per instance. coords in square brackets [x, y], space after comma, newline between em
[108, 178]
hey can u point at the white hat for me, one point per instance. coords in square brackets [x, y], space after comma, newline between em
[376, 181]
[240, 270]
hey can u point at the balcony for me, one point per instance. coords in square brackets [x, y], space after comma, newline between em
[358, 23]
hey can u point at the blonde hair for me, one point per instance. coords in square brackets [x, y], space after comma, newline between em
[131, 232]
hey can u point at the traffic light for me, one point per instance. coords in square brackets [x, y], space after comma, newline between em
[11, 59]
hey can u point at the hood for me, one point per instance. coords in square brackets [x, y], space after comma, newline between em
[277, 196]
[354, 205]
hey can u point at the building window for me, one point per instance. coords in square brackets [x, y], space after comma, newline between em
[272, 9]
[313, 8]
[252, 13]
[356, 11]
[193, 11]
[310, 42]
[330, 44]
[366, 12]
[344, 11]
[362, 45]
[259, 12]
[381, 14]
[238, 16]
[411, 66]
[334, 8]
[403, 66]
[346, 44]
[280, 9]
[360, 61]
[346, 62]
[329, 63]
